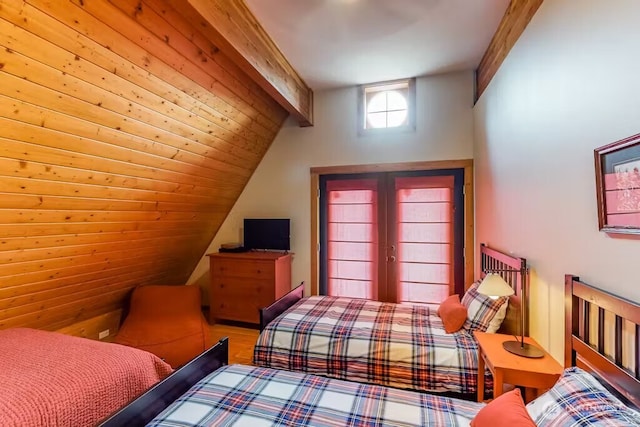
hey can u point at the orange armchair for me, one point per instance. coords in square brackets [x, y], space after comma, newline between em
[166, 321]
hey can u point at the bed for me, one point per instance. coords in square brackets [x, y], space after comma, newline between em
[594, 391]
[52, 379]
[396, 345]
[595, 318]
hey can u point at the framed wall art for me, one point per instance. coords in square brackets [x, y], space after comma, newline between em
[618, 185]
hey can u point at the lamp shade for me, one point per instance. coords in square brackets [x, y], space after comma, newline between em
[494, 285]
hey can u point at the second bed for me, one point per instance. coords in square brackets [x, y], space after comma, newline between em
[404, 346]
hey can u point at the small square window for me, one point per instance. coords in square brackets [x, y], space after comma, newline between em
[387, 106]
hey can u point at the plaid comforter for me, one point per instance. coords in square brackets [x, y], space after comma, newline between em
[360, 340]
[250, 396]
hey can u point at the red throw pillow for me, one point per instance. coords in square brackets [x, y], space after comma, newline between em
[452, 313]
[506, 410]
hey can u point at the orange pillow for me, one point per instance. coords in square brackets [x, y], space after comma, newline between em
[452, 313]
[506, 410]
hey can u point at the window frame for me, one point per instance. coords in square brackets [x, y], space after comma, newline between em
[411, 106]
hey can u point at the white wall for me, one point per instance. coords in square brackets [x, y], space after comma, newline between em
[280, 187]
[570, 85]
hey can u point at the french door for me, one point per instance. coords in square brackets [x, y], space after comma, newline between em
[395, 236]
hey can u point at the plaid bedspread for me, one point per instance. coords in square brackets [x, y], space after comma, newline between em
[242, 395]
[360, 340]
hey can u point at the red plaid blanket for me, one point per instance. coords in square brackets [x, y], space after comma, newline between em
[395, 345]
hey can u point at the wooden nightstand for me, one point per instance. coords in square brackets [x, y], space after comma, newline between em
[534, 374]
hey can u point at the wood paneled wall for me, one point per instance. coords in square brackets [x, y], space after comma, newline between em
[125, 138]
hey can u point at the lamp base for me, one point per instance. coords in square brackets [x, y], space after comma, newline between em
[524, 350]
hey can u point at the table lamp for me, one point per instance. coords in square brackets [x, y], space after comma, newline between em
[494, 286]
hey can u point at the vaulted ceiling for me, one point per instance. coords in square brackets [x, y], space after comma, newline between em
[333, 43]
[129, 128]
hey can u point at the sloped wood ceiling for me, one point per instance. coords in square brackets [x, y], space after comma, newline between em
[125, 138]
[238, 32]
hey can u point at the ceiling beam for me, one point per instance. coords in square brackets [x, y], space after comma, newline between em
[230, 26]
[515, 20]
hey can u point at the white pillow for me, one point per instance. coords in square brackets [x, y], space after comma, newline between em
[496, 322]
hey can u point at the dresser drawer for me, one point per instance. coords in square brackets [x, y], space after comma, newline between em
[243, 268]
[243, 288]
[240, 310]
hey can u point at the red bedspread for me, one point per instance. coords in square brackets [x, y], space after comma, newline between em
[51, 379]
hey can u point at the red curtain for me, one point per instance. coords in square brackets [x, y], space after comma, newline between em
[424, 221]
[352, 238]
[423, 238]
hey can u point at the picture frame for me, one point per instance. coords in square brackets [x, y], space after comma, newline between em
[617, 167]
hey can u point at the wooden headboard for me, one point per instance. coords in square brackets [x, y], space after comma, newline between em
[515, 272]
[582, 304]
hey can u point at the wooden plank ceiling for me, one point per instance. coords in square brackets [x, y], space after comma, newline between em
[126, 135]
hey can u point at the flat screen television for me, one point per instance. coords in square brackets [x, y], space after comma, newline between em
[267, 233]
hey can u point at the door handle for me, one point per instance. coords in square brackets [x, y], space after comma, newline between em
[392, 258]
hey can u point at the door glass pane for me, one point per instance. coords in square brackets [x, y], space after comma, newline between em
[352, 250]
[352, 238]
[351, 288]
[424, 216]
[423, 272]
[425, 212]
[425, 252]
[350, 270]
[349, 232]
[420, 292]
[424, 232]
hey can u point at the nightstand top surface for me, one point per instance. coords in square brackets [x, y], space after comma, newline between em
[491, 346]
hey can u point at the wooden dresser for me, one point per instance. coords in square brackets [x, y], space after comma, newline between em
[242, 283]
